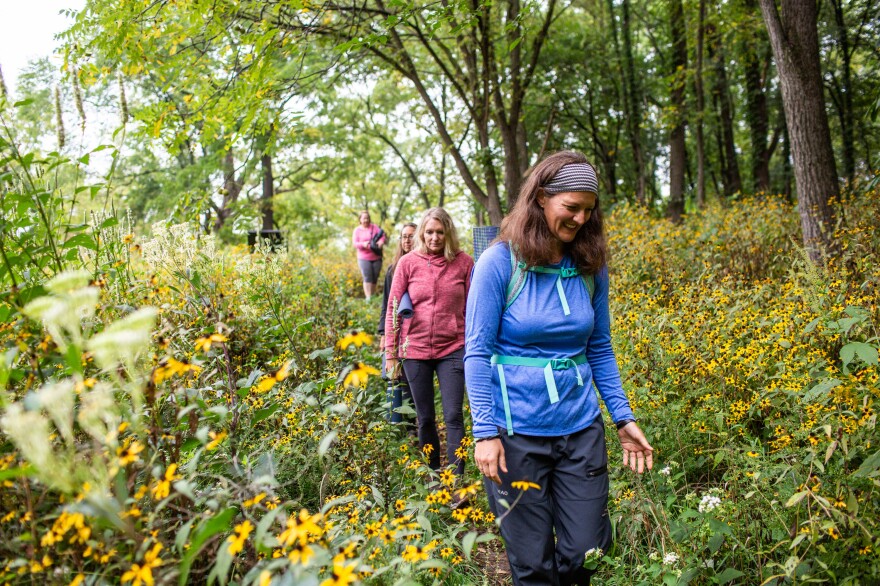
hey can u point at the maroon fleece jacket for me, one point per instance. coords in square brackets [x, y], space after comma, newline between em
[438, 289]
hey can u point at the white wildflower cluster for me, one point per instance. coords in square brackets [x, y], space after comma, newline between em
[708, 503]
[123, 341]
[99, 414]
[666, 471]
[177, 246]
[670, 558]
[593, 554]
[70, 301]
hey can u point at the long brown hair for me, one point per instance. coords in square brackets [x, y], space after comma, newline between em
[526, 228]
[400, 251]
[451, 246]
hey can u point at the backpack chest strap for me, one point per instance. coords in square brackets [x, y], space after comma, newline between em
[564, 273]
[547, 364]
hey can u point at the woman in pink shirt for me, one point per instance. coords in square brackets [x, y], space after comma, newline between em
[369, 262]
[437, 275]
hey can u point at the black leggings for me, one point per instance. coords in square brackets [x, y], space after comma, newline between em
[450, 373]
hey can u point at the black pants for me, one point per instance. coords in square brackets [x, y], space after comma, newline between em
[450, 374]
[549, 529]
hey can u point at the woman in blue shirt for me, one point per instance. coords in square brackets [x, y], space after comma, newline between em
[537, 339]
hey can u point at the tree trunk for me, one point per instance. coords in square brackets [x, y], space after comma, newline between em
[731, 175]
[231, 191]
[698, 89]
[266, 206]
[677, 147]
[844, 100]
[633, 99]
[795, 43]
[756, 107]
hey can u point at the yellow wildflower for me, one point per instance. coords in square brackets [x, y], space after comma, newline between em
[254, 501]
[204, 344]
[447, 477]
[359, 375]
[301, 555]
[343, 575]
[270, 379]
[128, 453]
[163, 487]
[170, 367]
[216, 439]
[525, 485]
[143, 573]
[357, 338]
[300, 530]
[236, 541]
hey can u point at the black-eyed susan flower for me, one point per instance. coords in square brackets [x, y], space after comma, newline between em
[268, 381]
[461, 514]
[204, 344]
[163, 487]
[140, 574]
[359, 375]
[343, 575]
[216, 440]
[469, 490]
[237, 539]
[525, 485]
[128, 452]
[357, 338]
[169, 367]
[253, 501]
[301, 529]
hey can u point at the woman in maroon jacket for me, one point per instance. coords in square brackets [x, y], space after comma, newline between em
[437, 275]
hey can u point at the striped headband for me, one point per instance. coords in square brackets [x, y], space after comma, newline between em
[574, 177]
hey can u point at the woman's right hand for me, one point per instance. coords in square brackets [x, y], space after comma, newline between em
[392, 365]
[489, 456]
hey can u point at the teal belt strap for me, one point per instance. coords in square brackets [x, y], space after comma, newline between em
[548, 364]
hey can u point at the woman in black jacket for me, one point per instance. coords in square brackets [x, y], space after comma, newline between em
[400, 385]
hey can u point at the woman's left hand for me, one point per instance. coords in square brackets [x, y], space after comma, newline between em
[637, 452]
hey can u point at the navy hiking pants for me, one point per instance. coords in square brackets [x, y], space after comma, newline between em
[548, 530]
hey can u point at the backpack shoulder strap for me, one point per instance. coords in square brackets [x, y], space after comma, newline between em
[518, 276]
[590, 282]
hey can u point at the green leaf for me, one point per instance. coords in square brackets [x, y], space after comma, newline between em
[866, 352]
[16, 472]
[869, 466]
[728, 575]
[325, 353]
[326, 442]
[263, 527]
[223, 561]
[219, 523]
[687, 576]
[183, 535]
[84, 240]
[795, 498]
[820, 389]
[467, 544]
[109, 223]
[266, 413]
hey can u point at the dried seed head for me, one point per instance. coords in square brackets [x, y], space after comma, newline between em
[59, 121]
[123, 103]
[77, 96]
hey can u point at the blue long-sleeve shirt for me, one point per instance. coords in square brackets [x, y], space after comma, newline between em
[535, 326]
